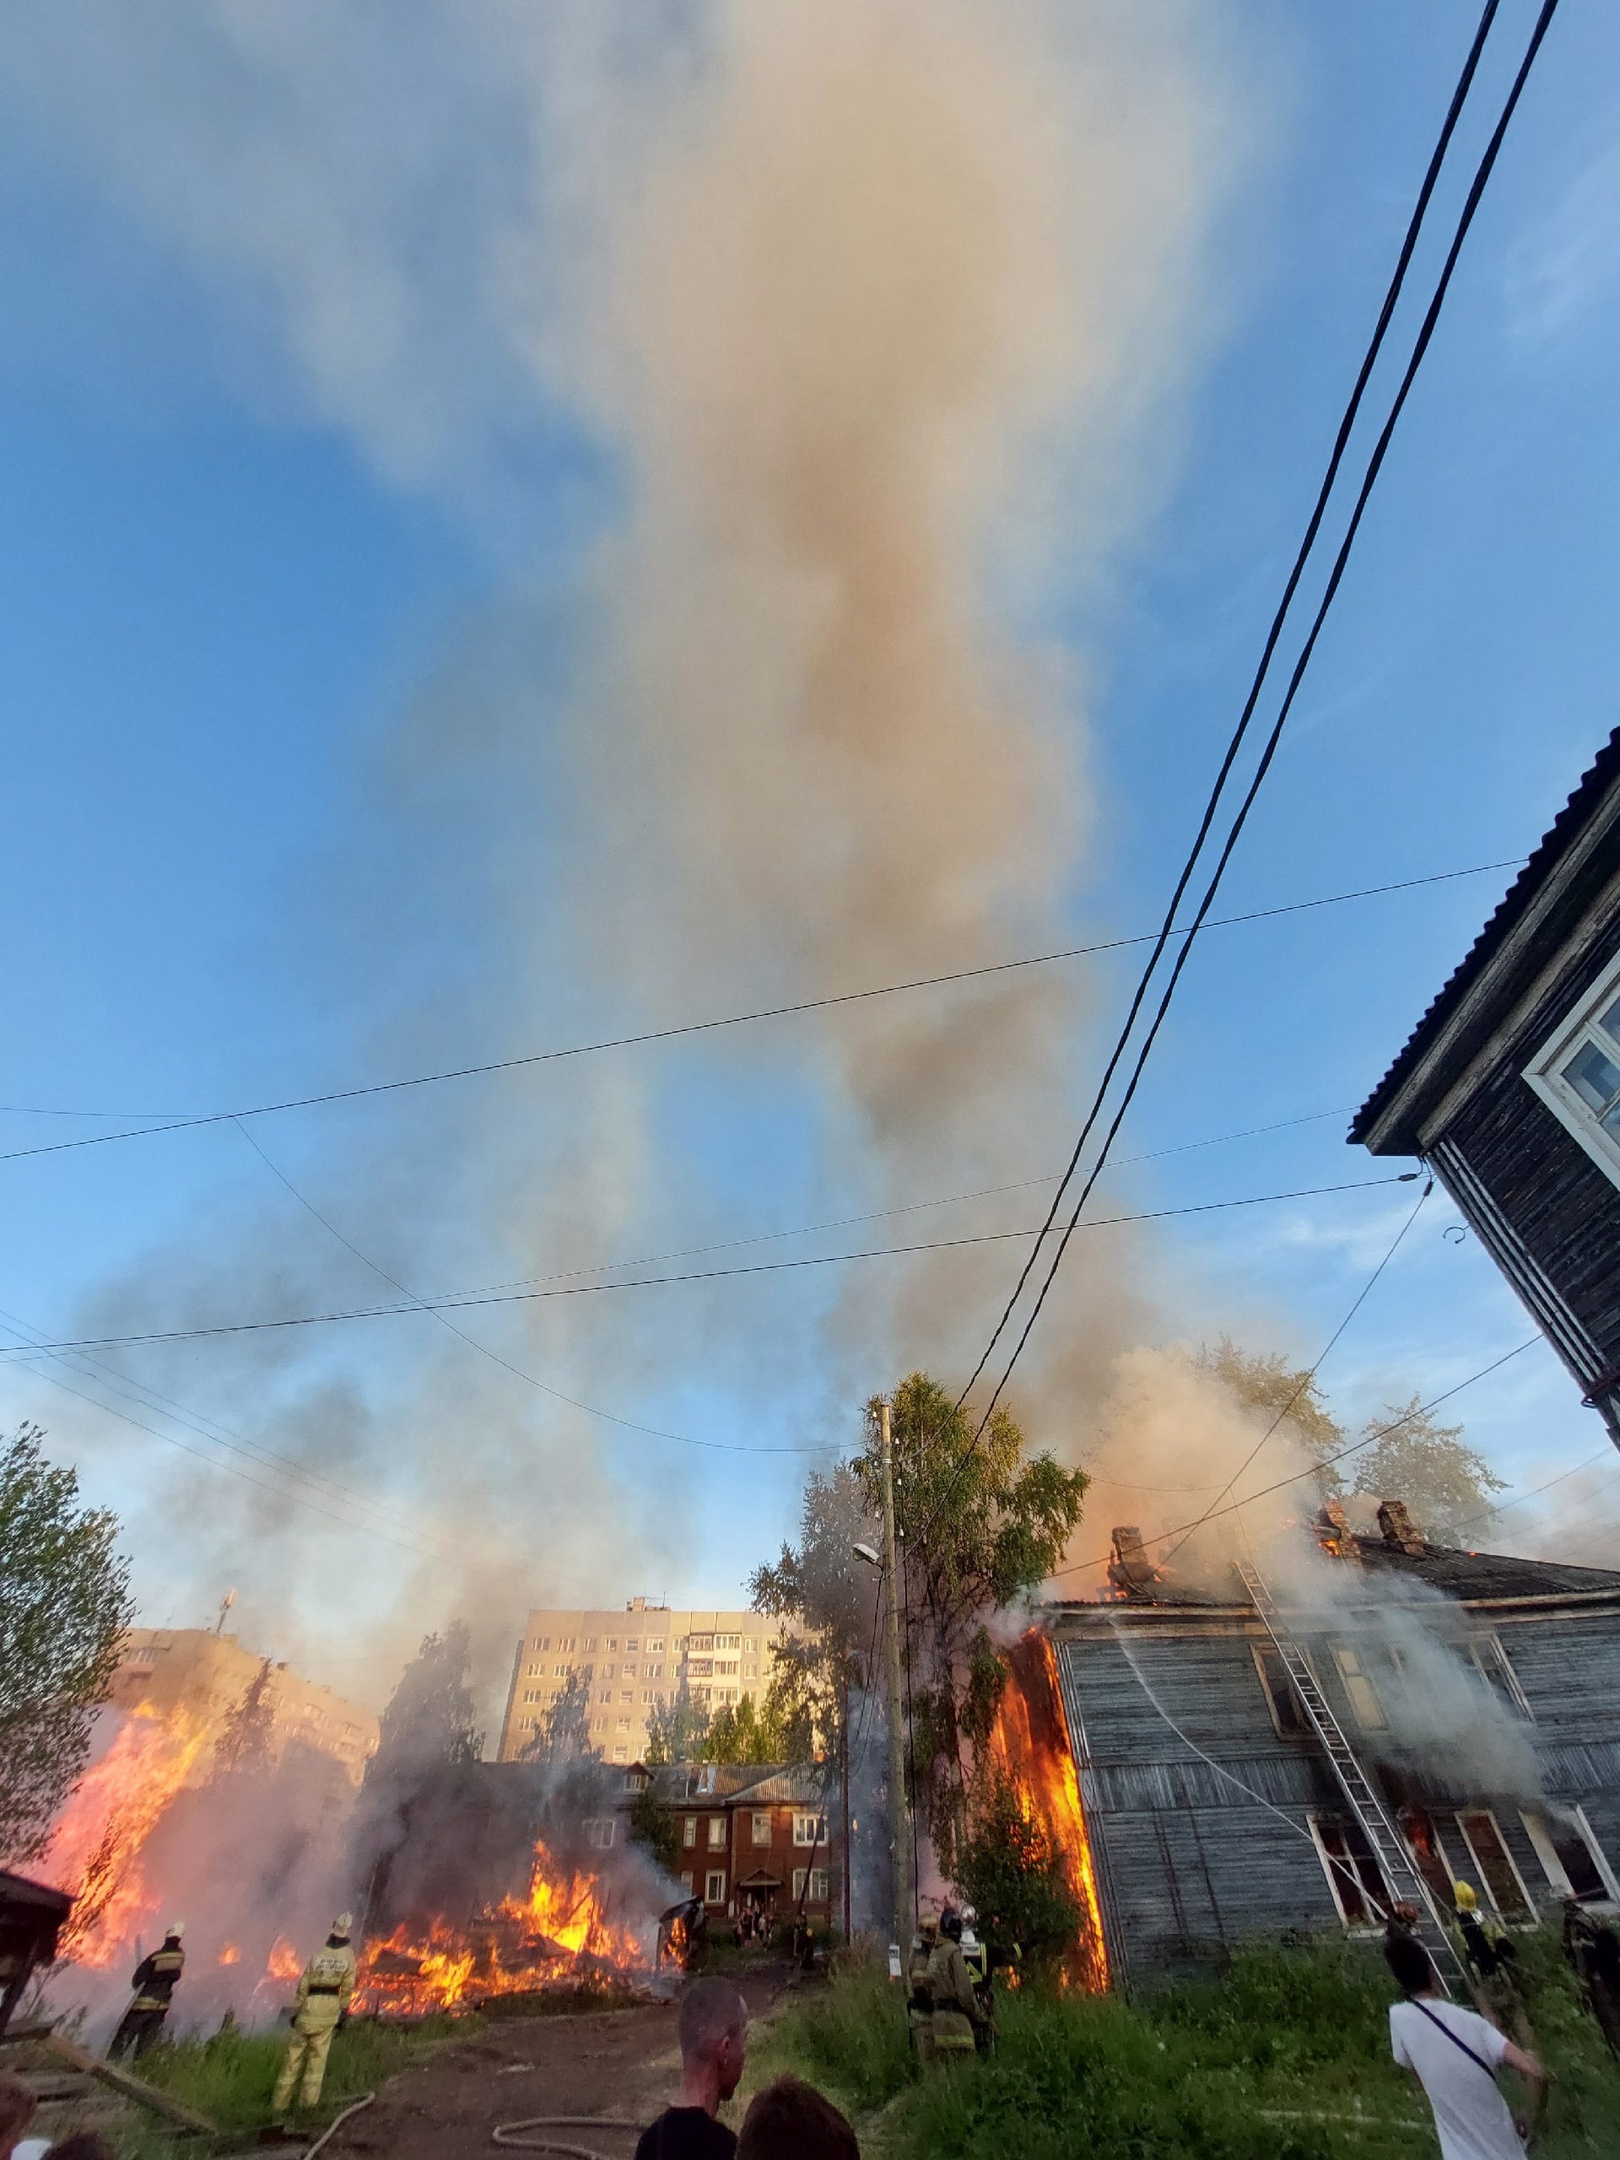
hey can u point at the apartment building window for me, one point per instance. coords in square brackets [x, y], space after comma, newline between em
[535, 1672]
[717, 1833]
[632, 1642]
[646, 1695]
[1358, 1686]
[809, 1829]
[531, 1694]
[655, 1649]
[607, 1672]
[714, 1887]
[700, 1668]
[728, 1642]
[606, 1695]
[590, 1642]
[559, 1672]
[762, 1826]
[652, 1672]
[699, 1642]
[689, 1833]
[542, 1642]
[621, 1754]
[567, 1642]
[599, 1831]
[629, 1671]
[613, 1642]
[1495, 1864]
[627, 1694]
[1353, 1874]
[624, 1724]
[725, 1665]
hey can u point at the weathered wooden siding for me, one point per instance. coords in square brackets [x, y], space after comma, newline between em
[1194, 1855]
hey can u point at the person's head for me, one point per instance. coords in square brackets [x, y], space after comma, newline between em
[342, 1928]
[790, 2120]
[1409, 1962]
[950, 1924]
[714, 2037]
[17, 2106]
[1463, 1897]
[82, 2145]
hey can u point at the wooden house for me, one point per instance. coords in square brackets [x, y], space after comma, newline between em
[755, 1837]
[1509, 1087]
[1216, 1807]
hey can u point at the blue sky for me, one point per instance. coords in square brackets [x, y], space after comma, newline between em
[293, 642]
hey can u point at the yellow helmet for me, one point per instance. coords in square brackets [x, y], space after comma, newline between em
[1463, 1893]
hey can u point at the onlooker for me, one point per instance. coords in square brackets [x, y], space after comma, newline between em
[1455, 2054]
[790, 2120]
[82, 2145]
[1593, 1950]
[714, 2046]
[17, 2105]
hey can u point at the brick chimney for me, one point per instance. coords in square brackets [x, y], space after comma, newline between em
[1332, 1527]
[1398, 1527]
[1130, 1571]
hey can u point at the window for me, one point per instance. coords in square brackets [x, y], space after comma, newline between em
[535, 1672]
[1571, 1858]
[590, 1642]
[714, 1887]
[629, 1671]
[689, 1832]
[1491, 1663]
[809, 1829]
[749, 1647]
[599, 1831]
[728, 1642]
[717, 1833]
[762, 1826]
[725, 1665]
[652, 1672]
[701, 1668]
[627, 1695]
[705, 1781]
[622, 1754]
[817, 1879]
[606, 1695]
[559, 1672]
[607, 1672]
[655, 1649]
[542, 1642]
[686, 1881]
[699, 1642]
[613, 1642]
[646, 1695]
[1358, 1686]
[567, 1642]
[632, 1642]
[624, 1724]
[1495, 1865]
[1354, 1876]
[1577, 1073]
[1287, 1711]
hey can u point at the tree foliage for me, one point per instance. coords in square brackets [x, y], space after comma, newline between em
[982, 1524]
[1265, 1382]
[430, 1715]
[563, 1734]
[247, 1733]
[654, 1827]
[1446, 1485]
[1009, 1870]
[826, 1600]
[744, 1734]
[64, 1606]
[677, 1731]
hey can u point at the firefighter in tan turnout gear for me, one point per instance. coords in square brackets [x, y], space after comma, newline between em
[958, 2012]
[323, 1996]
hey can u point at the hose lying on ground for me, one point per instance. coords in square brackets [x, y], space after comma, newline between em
[353, 2108]
[509, 2133]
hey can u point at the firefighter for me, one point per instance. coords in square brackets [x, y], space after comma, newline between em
[154, 1980]
[323, 1996]
[919, 1995]
[1491, 1959]
[976, 1957]
[958, 2014]
[1593, 1950]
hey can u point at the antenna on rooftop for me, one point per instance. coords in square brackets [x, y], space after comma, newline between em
[225, 1604]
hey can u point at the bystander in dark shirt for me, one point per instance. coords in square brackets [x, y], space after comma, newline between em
[686, 2133]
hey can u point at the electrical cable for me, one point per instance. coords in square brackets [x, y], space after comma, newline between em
[1380, 1432]
[1306, 547]
[644, 1282]
[1306, 1379]
[705, 1027]
[1501, 1506]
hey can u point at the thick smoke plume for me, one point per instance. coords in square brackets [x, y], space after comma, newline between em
[874, 317]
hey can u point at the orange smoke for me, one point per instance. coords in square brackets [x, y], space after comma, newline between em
[563, 1934]
[1029, 1744]
[96, 1848]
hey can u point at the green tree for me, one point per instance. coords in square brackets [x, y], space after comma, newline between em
[826, 1599]
[677, 1731]
[982, 1523]
[64, 1607]
[1267, 1384]
[1446, 1485]
[430, 1715]
[1009, 1871]
[563, 1734]
[247, 1734]
[653, 1827]
[746, 1735]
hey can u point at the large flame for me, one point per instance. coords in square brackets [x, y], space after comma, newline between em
[1029, 1745]
[97, 1846]
[563, 1934]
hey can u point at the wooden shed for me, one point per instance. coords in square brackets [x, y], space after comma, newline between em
[1509, 1087]
[1245, 1771]
[32, 1915]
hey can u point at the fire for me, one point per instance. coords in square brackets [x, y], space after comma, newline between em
[230, 1955]
[1029, 1743]
[283, 1963]
[563, 1934]
[96, 1848]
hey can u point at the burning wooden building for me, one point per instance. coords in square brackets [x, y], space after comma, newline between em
[1400, 1716]
[1509, 1087]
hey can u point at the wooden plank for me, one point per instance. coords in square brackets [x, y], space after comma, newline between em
[132, 2088]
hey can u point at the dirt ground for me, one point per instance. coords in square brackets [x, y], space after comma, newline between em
[619, 2067]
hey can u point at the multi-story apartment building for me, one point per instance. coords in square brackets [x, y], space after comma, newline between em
[632, 1660]
[210, 1673]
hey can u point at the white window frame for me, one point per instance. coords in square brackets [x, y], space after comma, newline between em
[761, 1832]
[1491, 1641]
[599, 1832]
[717, 1833]
[1483, 1885]
[712, 1896]
[1349, 1681]
[1545, 1072]
[1259, 1652]
[1330, 1868]
[809, 1830]
[689, 1831]
[1537, 1829]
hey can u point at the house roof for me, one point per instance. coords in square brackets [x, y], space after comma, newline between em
[741, 1784]
[1583, 804]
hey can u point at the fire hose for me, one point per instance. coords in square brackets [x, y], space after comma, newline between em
[337, 2121]
[511, 2133]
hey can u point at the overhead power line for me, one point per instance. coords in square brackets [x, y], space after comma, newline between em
[1372, 469]
[193, 1121]
[454, 1303]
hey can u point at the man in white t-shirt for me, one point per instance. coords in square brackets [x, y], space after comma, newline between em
[1455, 2054]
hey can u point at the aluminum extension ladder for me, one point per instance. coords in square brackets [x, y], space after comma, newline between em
[1387, 1844]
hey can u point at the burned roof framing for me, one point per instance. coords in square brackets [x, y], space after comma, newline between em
[1507, 1088]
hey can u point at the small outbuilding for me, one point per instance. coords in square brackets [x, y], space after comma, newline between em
[32, 1916]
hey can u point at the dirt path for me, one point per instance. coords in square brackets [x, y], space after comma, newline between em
[623, 2065]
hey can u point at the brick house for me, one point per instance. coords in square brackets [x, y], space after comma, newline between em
[757, 1836]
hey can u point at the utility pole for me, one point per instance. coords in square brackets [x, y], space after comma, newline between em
[899, 1811]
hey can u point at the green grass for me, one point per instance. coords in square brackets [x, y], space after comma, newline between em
[1233, 2069]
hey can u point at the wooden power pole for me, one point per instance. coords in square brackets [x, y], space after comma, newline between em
[899, 1810]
